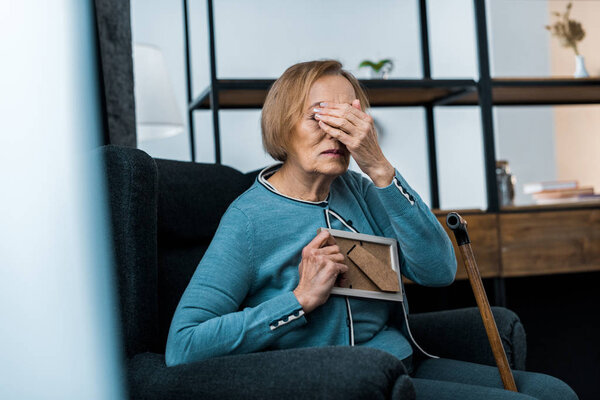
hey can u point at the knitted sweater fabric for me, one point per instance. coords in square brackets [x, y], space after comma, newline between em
[240, 298]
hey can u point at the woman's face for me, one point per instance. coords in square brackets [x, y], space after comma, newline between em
[311, 149]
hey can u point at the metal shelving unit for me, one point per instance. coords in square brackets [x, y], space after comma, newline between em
[426, 92]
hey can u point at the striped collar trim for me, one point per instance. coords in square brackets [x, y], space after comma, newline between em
[270, 170]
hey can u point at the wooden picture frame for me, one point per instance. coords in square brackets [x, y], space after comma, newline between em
[373, 266]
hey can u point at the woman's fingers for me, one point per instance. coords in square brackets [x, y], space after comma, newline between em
[321, 256]
[334, 269]
[330, 240]
[338, 257]
[340, 123]
[329, 249]
[343, 110]
[319, 273]
[342, 114]
[342, 280]
[339, 134]
[346, 123]
[321, 261]
[339, 115]
[318, 241]
[321, 265]
[342, 268]
[327, 253]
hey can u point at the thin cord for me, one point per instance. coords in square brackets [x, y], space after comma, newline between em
[351, 323]
[410, 333]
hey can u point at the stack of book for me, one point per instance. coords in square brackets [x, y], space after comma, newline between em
[565, 191]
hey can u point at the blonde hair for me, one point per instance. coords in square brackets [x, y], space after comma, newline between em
[284, 104]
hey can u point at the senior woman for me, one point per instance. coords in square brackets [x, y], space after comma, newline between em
[265, 280]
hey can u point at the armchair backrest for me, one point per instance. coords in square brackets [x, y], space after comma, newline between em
[164, 214]
[192, 198]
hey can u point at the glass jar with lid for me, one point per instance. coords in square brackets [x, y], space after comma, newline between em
[506, 184]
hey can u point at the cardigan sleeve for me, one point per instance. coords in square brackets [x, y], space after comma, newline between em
[208, 321]
[426, 252]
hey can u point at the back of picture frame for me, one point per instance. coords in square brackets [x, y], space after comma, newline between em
[373, 266]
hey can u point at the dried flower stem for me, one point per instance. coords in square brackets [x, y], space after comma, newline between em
[568, 31]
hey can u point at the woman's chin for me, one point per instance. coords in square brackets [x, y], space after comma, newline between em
[334, 166]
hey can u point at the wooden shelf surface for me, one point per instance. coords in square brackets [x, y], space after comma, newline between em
[550, 207]
[525, 208]
[251, 93]
[540, 91]
[531, 240]
[551, 242]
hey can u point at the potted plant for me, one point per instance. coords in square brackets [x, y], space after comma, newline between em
[569, 32]
[380, 69]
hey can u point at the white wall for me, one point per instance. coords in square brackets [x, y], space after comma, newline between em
[160, 23]
[458, 134]
[520, 47]
[452, 41]
[260, 39]
[526, 138]
[519, 44]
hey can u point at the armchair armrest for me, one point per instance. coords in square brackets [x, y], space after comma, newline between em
[327, 372]
[460, 335]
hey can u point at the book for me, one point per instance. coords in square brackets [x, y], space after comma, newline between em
[535, 187]
[589, 197]
[564, 193]
[574, 199]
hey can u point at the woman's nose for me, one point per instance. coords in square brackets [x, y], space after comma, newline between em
[328, 136]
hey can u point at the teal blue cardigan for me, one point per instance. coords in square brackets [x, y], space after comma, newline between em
[240, 297]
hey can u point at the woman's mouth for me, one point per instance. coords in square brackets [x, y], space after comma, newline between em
[333, 153]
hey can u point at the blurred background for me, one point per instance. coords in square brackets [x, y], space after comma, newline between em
[540, 142]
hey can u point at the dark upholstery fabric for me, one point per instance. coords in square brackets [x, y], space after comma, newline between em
[460, 335]
[132, 184]
[114, 34]
[192, 197]
[311, 373]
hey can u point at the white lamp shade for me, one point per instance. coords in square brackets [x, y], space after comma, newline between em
[157, 113]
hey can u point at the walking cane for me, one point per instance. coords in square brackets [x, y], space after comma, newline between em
[459, 226]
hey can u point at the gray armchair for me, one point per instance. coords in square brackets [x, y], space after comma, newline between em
[164, 214]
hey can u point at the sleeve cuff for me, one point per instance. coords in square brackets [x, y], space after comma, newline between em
[398, 196]
[289, 313]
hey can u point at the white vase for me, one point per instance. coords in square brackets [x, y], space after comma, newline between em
[375, 74]
[580, 71]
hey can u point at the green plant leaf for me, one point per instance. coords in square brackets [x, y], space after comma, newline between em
[366, 63]
[376, 66]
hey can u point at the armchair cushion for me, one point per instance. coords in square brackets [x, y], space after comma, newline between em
[460, 335]
[326, 373]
